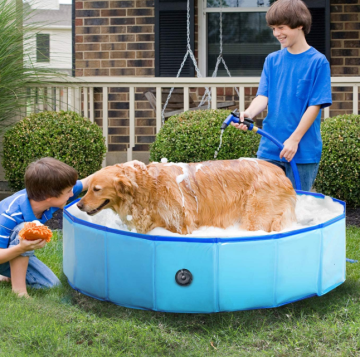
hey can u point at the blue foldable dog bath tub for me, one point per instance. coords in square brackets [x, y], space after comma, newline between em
[203, 275]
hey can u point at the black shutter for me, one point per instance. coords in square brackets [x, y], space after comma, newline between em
[319, 36]
[42, 47]
[171, 38]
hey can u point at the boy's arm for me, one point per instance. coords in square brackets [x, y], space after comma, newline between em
[257, 106]
[292, 143]
[13, 252]
[85, 182]
[10, 253]
[77, 189]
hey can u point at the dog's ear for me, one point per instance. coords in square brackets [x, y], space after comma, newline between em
[123, 185]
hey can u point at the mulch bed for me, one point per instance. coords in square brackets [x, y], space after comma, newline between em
[352, 218]
[56, 221]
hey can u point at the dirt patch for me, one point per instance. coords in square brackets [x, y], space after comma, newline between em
[353, 216]
[56, 222]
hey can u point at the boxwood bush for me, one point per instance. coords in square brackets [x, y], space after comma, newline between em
[194, 136]
[66, 136]
[339, 171]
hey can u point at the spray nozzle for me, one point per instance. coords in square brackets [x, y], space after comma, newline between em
[235, 117]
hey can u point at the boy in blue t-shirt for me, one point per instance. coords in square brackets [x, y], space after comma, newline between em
[49, 185]
[295, 85]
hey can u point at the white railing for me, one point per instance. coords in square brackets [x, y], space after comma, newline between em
[69, 94]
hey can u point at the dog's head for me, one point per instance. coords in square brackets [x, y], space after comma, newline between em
[111, 187]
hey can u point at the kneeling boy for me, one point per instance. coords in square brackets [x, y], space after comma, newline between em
[49, 185]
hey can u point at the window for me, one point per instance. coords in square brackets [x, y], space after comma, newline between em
[171, 38]
[42, 47]
[319, 36]
[247, 40]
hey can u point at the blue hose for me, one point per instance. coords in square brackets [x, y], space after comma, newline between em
[233, 117]
[281, 146]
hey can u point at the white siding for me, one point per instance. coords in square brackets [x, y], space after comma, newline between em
[44, 4]
[60, 48]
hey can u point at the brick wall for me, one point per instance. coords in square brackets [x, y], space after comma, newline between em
[116, 38]
[345, 37]
[345, 50]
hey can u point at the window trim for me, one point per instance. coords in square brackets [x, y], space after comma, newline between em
[202, 28]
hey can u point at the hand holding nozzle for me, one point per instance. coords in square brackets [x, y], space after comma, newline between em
[244, 122]
[239, 121]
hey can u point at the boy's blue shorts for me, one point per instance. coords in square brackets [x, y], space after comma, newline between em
[38, 275]
[307, 172]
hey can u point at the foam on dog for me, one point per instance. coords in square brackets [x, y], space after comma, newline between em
[183, 197]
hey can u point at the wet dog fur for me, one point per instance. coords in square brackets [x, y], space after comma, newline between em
[251, 192]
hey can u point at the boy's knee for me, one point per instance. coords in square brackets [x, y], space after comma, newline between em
[15, 240]
[18, 228]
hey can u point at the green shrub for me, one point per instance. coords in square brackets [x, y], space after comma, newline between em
[194, 136]
[339, 171]
[66, 136]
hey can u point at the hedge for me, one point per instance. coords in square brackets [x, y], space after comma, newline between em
[339, 171]
[194, 136]
[66, 136]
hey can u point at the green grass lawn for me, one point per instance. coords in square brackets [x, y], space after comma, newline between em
[62, 322]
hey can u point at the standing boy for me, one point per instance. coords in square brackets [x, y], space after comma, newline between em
[295, 86]
[49, 185]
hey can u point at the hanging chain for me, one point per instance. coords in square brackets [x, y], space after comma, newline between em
[188, 52]
[207, 94]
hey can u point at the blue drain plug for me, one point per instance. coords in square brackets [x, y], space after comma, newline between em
[183, 277]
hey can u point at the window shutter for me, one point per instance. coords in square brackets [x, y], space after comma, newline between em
[319, 36]
[42, 47]
[171, 38]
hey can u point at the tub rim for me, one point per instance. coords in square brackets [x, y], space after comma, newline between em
[212, 239]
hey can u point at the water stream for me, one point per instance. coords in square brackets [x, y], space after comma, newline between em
[217, 151]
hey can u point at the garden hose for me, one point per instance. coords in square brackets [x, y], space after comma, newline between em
[234, 117]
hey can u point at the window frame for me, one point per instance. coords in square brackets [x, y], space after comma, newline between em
[203, 11]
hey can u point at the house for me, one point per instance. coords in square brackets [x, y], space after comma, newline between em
[125, 49]
[51, 43]
[148, 38]
[51, 46]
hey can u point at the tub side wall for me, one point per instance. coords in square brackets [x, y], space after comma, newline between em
[140, 273]
[130, 267]
[333, 256]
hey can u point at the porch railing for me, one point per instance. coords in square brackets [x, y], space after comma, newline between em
[78, 94]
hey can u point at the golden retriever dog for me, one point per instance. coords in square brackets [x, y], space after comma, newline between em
[183, 197]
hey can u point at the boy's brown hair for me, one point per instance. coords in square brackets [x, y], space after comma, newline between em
[293, 13]
[47, 178]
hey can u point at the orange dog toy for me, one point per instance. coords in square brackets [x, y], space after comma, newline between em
[32, 231]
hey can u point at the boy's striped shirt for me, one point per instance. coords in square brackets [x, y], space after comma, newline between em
[16, 209]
